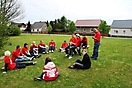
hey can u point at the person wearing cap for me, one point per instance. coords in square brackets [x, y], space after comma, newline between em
[63, 46]
[96, 38]
[78, 43]
[42, 47]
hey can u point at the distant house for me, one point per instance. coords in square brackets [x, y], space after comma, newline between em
[121, 28]
[39, 27]
[86, 26]
[22, 26]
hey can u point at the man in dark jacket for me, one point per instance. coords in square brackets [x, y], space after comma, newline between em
[85, 63]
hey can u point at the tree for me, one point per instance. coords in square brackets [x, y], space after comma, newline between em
[49, 28]
[72, 27]
[103, 27]
[28, 27]
[63, 22]
[10, 10]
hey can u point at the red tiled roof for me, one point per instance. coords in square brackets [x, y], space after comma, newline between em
[88, 23]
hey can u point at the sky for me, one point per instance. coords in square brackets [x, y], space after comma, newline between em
[108, 10]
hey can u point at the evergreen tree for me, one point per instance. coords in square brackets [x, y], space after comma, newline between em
[28, 27]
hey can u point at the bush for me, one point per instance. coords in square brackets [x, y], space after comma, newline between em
[14, 31]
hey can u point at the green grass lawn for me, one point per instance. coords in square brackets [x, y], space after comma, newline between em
[113, 69]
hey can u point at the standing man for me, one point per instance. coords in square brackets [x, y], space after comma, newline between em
[96, 38]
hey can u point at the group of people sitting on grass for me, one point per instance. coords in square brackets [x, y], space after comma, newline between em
[50, 71]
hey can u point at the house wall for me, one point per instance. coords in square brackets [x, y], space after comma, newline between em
[44, 28]
[120, 32]
[36, 30]
[84, 30]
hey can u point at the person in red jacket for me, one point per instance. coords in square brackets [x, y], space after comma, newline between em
[9, 64]
[96, 38]
[34, 49]
[84, 42]
[52, 46]
[42, 47]
[72, 46]
[63, 46]
[78, 44]
[50, 71]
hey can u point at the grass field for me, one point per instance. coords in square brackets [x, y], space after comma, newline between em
[113, 69]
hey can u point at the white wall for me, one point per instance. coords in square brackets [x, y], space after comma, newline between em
[120, 32]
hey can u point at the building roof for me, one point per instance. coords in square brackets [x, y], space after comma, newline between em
[38, 24]
[122, 24]
[88, 23]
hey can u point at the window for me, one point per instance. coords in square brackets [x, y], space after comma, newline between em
[37, 29]
[77, 30]
[124, 31]
[84, 30]
[116, 31]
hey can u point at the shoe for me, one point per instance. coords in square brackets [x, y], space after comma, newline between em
[32, 58]
[94, 58]
[34, 62]
[49, 51]
[37, 79]
[91, 57]
[70, 57]
[39, 56]
[2, 68]
[43, 52]
[71, 67]
[66, 55]
[52, 51]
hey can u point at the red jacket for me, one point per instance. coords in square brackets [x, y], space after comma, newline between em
[78, 42]
[24, 50]
[32, 46]
[74, 40]
[41, 44]
[15, 54]
[11, 65]
[64, 45]
[52, 44]
[97, 35]
[85, 40]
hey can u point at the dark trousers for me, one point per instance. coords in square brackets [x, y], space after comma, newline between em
[71, 49]
[95, 50]
[78, 64]
[23, 65]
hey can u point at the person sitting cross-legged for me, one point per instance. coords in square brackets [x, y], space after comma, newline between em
[13, 65]
[63, 46]
[85, 63]
[52, 46]
[50, 71]
[42, 47]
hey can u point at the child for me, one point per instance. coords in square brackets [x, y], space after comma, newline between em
[12, 65]
[50, 71]
[52, 46]
[63, 46]
[42, 47]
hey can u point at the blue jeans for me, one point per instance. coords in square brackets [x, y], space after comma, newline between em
[42, 50]
[78, 50]
[22, 59]
[95, 50]
[51, 48]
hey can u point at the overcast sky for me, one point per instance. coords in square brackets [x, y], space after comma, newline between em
[108, 10]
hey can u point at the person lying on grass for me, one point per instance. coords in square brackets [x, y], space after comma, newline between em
[12, 65]
[50, 71]
[85, 63]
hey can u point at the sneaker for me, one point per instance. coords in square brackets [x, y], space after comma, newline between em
[32, 58]
[70, 57]
[52, 51]
[66, 55]
[34, 62]
[2, 68]
[37, 79]
[43, 52]
[49, 51]
[71, 67]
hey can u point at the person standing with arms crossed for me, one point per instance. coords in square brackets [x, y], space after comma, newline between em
[96, 38]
